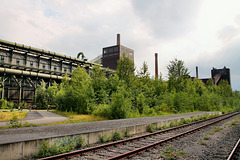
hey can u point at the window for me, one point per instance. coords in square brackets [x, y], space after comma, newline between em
[110, 50]
[105, 51]
[115, 49]
[2, 58]
[17, 62]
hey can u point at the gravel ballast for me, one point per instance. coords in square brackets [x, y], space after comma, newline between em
[211, 143]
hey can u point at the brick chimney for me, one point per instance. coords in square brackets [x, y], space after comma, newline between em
[118, 39]
[156, 66]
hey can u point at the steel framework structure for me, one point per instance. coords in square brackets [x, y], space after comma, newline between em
[22, 68]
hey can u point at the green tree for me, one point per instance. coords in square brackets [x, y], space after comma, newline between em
[41, 95]
[99, 84]
[144, 73]
[125, 69]
[51, 93]
[177, 73]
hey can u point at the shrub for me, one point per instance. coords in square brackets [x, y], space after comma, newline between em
[116, 136]
[127, 133]
[104, 138]
[151, 128]
[80, 141]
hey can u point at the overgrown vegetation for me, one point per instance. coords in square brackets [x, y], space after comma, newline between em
[169, 153]
[64, 145]
[15, 123]
[126, 94]
[7, 115]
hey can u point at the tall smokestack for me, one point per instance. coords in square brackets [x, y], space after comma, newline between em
[197, 72]
[156, 66]
[118, 39]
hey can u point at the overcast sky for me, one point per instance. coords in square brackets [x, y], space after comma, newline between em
[203, 33]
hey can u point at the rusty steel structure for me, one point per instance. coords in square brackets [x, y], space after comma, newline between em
[23, 68]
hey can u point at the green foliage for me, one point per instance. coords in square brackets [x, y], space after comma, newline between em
[206, 137]
[4, 104]
[105, 138]
[170, 153]
[216, 129]
[14, 122]
[117, 136]
[127, 133]
[126, 95]
[202, 142]
[150, 128]
[80, 141]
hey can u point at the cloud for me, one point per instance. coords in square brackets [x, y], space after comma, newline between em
[228, 33]
[167, 19]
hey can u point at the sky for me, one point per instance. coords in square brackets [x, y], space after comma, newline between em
[203, 33]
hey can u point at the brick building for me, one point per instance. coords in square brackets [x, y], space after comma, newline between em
[110, 55]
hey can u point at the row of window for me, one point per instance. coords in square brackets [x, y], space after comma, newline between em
[110, 50]
[112, 54]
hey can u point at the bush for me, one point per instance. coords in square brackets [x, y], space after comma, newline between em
[116, 136]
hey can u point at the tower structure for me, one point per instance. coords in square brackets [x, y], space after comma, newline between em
[111, 54]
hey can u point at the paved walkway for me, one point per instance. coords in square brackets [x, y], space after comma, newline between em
[39, 117]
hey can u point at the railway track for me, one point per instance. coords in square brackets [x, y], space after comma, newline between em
[235, 154]
[129, 147]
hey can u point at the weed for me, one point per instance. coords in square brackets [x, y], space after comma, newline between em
[170, 153]
[127, 133]
[151, 128]
[211, 133]
[104, 139]
[206, 137]
[14, 123]
[234, 122]
[80, 141]
[216, 129]
[202, 143]
[45, 150]
[173, 124]
[116, 136]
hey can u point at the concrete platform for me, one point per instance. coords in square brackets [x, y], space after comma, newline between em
[25, 141]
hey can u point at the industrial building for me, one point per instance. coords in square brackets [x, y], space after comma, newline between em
[23, 68]
[111, 54]
[217, 75]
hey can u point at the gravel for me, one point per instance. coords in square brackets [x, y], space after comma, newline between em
[203, 145]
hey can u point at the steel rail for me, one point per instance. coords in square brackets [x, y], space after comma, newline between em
[231, 155]
[87, 150]
[142, 149]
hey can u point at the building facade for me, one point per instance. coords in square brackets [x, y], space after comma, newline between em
[110, 55]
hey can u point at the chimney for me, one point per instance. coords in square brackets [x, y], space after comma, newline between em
[197, 72]
[118, 39]
[156, 66]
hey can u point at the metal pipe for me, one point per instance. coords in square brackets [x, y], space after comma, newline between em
[28, 73]
[21, 46]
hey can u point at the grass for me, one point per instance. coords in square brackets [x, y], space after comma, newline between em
[202, 142]
[216, 129]
[76, 118]
[169, 153]
[5, 116]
